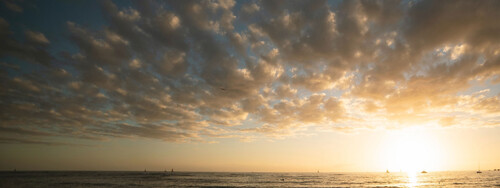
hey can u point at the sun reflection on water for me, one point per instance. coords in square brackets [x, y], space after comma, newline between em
[412, 179]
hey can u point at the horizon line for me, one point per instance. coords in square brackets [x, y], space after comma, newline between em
[16, 170]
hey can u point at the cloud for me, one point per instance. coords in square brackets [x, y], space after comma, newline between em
[13, 6]
[199, 71]
[27, 141]
[22, 131]
[32, 50]
[36, 37]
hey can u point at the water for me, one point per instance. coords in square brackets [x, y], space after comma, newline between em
[227, 179]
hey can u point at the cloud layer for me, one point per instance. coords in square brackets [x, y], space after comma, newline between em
[198, 71]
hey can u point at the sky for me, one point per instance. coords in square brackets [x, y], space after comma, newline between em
[273, 86]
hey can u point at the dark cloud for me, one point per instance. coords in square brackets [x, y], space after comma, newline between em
[22, 131]
[27, 141]
[13, 6]
[32, 50]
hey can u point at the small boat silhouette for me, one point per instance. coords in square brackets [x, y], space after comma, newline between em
[423, 172]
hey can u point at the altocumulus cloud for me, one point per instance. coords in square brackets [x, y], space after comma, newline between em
[198, 71]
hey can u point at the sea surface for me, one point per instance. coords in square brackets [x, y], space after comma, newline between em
[252, 179]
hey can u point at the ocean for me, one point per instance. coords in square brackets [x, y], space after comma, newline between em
[251, 179]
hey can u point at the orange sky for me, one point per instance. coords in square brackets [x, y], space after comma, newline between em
[250, 85]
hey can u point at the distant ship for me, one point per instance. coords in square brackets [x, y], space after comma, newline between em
[479, 169]
[387, 171]
[423, 172]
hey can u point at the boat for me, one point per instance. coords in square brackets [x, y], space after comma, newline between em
[423, 172]
[387, 171]
[479, 169]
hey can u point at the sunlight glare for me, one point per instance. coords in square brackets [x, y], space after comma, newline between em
[412, 179]
[410, 151]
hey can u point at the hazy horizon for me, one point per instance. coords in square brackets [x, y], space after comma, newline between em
[189, 171]
[250, 86]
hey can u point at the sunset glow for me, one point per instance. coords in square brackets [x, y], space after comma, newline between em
[412, 152]
[250, 86]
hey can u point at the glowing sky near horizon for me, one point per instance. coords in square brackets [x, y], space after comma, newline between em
[250, 85]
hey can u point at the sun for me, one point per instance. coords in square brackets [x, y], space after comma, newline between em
[411, 151]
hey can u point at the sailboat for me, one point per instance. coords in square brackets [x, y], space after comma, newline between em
[387, 171]
[479, 168]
